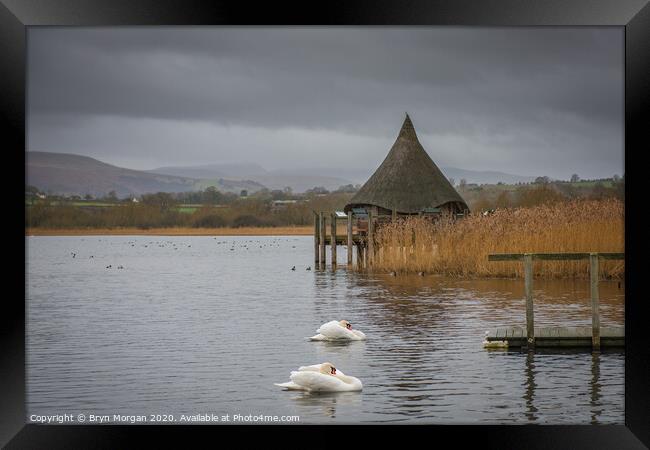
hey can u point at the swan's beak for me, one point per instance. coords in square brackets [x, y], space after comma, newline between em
[349, 326]
[333, 370]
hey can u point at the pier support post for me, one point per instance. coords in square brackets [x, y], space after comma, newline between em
[316, 236]
[393, 241]
[595, 313]
[370, 253]
[349, 238]
[321, 218]
[333, 239]
[528, 282]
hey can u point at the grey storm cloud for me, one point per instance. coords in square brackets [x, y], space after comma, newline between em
[521, 100]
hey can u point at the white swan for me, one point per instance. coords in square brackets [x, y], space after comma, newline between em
[321, 378]
[334, 331]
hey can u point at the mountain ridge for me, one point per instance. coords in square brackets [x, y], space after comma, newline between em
[73, 174]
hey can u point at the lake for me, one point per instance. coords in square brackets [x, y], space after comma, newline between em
[206, 325]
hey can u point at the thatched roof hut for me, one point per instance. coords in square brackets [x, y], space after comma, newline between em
[408, 181]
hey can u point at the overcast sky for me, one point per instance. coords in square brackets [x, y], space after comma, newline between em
[528, 101]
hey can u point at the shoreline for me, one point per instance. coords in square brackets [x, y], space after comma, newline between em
[306, 230]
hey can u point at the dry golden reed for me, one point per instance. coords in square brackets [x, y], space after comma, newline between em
[461, 248]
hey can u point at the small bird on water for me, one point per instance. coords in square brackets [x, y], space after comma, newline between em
[308, 268]
[421, 274]
[293, 268]
[393, 274]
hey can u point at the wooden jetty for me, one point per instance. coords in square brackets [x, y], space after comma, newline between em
[594, 336]
[559, 336]
[361, 225]
[356, 236]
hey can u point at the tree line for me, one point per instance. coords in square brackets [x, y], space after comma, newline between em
[211, 208]
[161, 210]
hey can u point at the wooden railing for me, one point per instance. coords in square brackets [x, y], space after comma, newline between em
[528, 259]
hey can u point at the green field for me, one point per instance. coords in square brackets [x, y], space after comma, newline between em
[30, 202]
[185, 208]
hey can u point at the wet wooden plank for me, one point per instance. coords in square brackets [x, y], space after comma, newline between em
[577, 336]
[370, 252]
[528, 284]
[595, 313]
[316, 236]
[333, 239]
[321, 229]
[552, 256]
[349, 240]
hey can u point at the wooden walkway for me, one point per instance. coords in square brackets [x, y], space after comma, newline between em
[558, 336]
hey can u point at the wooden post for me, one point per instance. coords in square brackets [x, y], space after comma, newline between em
[322, 240]
[595, 314]
[333, 241]
[369, 256]
[316, 236]
[393, 241]
[349, 238]
[530, 319]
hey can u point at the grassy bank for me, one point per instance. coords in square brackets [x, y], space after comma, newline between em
[461, 248]
[178, 231]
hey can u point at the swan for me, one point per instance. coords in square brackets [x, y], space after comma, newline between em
[321, 378]
[334, 331]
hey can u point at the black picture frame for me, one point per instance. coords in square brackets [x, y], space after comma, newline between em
[633, 15]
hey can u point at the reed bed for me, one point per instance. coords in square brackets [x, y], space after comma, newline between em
[461, 248]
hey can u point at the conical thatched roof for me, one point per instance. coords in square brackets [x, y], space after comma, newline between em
[408, 180]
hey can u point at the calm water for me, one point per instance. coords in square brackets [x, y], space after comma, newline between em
[202, 325]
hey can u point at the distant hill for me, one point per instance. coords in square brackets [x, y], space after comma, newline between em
[68, 174]
[225, 185]
[211, 171]
[360, 176]
[297, 179]
[300, 183]
[484, 177]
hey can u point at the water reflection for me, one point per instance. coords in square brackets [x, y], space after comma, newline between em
[326, 402]
[595, 387]
[529, 396]
[114, 342]
[425, 333]
[594, 384]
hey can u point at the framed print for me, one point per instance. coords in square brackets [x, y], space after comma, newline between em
[421, 214]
